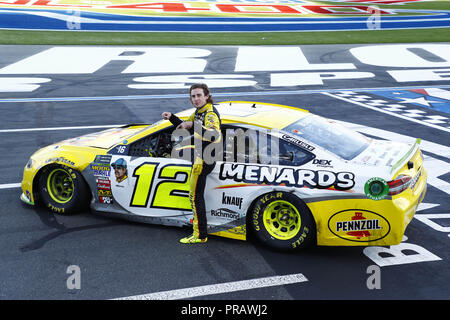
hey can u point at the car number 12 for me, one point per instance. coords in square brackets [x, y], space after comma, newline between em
[171, 191]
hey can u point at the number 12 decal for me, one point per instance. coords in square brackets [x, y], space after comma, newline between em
[170, 192]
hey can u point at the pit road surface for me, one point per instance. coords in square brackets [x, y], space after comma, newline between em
[121, 259]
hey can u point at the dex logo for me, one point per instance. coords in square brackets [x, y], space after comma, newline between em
[322, 163]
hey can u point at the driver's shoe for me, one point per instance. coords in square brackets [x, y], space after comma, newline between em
[192, 239]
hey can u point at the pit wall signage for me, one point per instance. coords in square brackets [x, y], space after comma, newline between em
[224, 7]
[359, 225]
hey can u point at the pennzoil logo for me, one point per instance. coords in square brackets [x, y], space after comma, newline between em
[359, 225]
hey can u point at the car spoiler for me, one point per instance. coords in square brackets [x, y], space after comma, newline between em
[400, 163]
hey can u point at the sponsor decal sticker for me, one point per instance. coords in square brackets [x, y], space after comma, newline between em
[230, 200]
[102, 159]
[104, 183]
[100, 170]
[295, 177]
[322, 163]
[297, 142]
[414, 180]
[104, 191]
[61, 160]
[106, 200]
[225, 213]
[376, 188]
[359, 225]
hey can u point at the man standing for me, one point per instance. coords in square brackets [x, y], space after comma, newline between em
[206, 124]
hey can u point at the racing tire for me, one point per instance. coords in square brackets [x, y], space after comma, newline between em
[63, 190]
[282, 221]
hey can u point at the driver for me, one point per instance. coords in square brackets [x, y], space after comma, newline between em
[120, 170]
[206, 124]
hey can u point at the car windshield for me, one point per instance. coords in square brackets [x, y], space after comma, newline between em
[329, 135]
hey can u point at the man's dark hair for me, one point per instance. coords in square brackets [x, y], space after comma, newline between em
[205, 90]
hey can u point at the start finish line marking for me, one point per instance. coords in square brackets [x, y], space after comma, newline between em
[220, 288]
[60, 128]
[217, 94]
[387, 112]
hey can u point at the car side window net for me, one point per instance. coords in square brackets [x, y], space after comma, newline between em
[259, 146]
[290, 155]
[154, 145]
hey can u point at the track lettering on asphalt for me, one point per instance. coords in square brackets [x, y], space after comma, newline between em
[152, 69]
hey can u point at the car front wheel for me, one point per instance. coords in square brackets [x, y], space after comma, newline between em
[63, 189]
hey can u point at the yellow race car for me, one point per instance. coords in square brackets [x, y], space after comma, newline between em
[292, 177]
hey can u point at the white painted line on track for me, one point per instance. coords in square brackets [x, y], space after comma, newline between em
[220, 288]
[10, 185]
[218, 94]
[60, 128]
[387, 112]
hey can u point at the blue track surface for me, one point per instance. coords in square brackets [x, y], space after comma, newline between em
[32, 19]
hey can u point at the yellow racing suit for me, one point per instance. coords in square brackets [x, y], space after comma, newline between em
[206, 131]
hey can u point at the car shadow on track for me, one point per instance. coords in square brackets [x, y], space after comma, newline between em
[58, 222]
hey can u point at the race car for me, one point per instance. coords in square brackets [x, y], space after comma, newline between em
[290, 177]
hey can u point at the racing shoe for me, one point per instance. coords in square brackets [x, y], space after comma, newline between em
[192, 239]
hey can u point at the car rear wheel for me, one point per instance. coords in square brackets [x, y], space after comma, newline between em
[63, 189]
[282, 221]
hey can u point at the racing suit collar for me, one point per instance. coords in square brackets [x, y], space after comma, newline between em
[204, 108]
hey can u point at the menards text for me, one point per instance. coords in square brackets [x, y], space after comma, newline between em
[287, 176]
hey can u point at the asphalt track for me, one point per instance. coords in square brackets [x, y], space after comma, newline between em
[120, 259]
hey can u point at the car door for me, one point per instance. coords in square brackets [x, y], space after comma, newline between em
[225, 199]
[146, 181]
[253, 160]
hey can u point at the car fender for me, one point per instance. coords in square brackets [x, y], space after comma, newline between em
[51, 155]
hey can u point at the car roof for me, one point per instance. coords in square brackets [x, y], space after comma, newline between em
[267, 115]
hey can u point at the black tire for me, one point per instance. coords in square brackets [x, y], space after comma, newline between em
[62, 189]
[282, 221]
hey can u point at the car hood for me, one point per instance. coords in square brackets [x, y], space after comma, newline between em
[104, 139]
